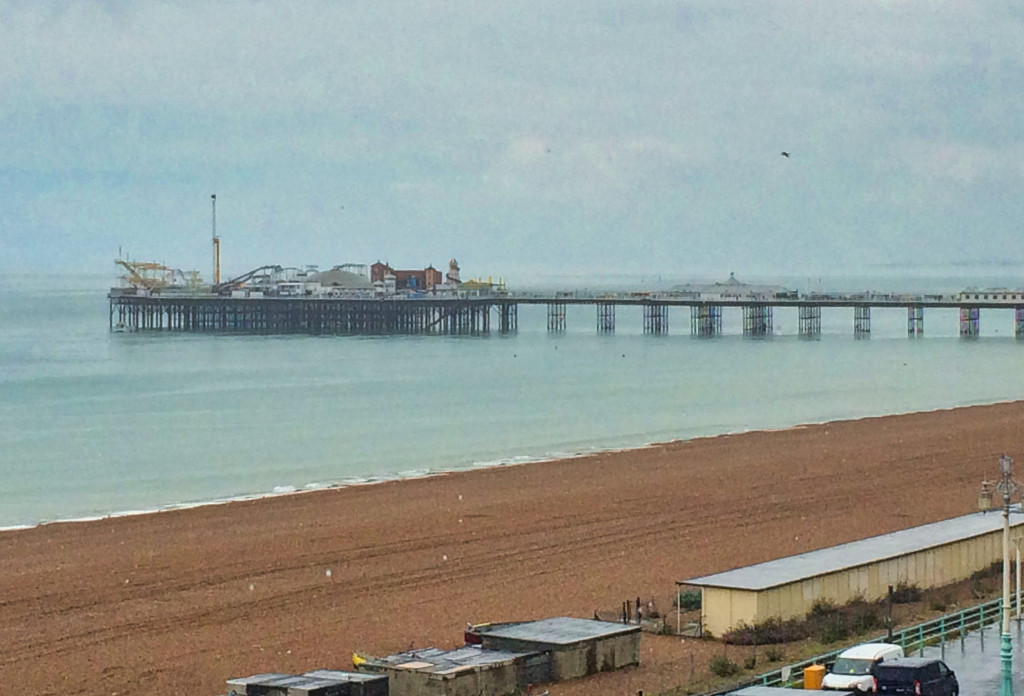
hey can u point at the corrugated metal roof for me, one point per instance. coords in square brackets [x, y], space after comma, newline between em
[257, 679]
[310, 681]
[341, 677]
[446, 661]
[560, 630]
[783, 571]
[293, 683]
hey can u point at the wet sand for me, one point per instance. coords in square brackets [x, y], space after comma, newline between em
[177, 602]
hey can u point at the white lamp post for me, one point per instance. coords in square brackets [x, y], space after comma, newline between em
[1007, 488]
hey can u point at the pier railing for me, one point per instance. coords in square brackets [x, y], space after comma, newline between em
[913, 639]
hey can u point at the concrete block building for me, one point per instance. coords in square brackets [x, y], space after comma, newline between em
[577, 647]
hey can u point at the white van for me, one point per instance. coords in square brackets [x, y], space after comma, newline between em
[852, 669]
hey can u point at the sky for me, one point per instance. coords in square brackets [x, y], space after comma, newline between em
[525, 139]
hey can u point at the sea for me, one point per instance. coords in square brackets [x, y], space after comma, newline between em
[95, 423]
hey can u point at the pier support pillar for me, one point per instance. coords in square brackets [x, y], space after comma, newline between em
[1018, 322]
[508, 319]
[706, 320]
[556, 317]
[810, 320]
[655, 319]
[915, 320]
[970, 322]
[757, 320]
[862, 321]
[605, 317]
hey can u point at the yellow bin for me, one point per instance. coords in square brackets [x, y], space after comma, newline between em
[813, 676]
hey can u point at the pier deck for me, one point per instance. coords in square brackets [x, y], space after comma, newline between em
[479, 315]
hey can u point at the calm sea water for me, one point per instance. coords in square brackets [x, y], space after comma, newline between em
[94, 423]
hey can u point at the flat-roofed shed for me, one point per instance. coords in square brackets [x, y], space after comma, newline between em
[321, 682]
[578, 647]
[466, 671]
[931, 555]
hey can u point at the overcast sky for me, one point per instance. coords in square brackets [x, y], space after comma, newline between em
[521, 138]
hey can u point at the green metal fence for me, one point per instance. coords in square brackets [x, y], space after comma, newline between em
[913, 639]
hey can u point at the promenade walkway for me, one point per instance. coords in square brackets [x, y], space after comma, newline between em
[976, 662]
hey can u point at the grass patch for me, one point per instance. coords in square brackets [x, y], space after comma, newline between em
[722, 666]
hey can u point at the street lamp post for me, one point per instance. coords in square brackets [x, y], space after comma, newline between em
[1007, 488]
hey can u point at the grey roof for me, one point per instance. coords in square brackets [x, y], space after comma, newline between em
[258, 678]
[730, 286]
[783, 571]
[342, 677]
[300, 683]
[782, 691]
[342, 279]
[438, 661]
[560, 630]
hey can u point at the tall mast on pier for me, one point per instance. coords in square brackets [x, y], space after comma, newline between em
[216, 244]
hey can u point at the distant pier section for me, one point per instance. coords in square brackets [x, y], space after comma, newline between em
[378, 300]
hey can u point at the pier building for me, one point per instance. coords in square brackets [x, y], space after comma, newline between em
[340, 282]
[732, 289]
[424, 280]
[1004, 295]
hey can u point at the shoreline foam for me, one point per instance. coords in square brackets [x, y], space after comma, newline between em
[289, 490]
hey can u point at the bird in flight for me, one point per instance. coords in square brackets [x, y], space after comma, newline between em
[785, 154]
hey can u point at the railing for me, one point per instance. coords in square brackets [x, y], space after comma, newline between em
[912, 639]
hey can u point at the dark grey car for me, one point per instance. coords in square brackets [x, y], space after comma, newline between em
[914, 676]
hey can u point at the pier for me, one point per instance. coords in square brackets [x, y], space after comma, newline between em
[331, 316]
[131, 310]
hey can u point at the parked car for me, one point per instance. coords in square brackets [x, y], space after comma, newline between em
[915, 676]
[852, 669]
